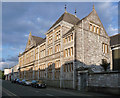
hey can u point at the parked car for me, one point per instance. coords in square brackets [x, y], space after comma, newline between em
[40, 84]
[13, 80]
[23, 81]
[17, 80]
[33, 83]
[20, 81]
[26, 82]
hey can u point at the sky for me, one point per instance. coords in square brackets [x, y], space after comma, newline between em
[20, 18]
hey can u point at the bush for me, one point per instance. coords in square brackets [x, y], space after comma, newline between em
[105, 64]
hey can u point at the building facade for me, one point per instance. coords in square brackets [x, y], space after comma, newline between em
[115, 52]
[71, 45]
[8, 73]
[15, 72]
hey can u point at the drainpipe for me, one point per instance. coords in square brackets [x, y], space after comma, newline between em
[74, 58]
[83, 44]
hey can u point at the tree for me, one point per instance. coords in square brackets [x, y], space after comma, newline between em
[105, 64]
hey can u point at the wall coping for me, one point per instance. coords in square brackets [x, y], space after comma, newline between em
[112, 72]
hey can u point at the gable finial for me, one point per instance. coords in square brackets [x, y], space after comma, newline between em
[75, 12]
[93, 7]
[30, 34]
[65, 8]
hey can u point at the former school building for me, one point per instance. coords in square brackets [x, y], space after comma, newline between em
[71, 45]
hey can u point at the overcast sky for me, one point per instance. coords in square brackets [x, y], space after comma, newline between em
[18, 19]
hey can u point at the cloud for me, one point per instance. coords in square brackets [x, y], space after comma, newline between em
[2, 60]
[108, 13]
[9, 62]
[3, 65]
[12, 59]
[112, 30]
[26, 35]
[108, 8]
[7, 65]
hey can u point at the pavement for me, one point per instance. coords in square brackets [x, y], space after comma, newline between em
[12, 89]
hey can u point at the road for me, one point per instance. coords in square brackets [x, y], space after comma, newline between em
[12, 89]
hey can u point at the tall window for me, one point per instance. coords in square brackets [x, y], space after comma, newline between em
[50, 39]
[94, 28]
[57, 35]
[50, 51]
[68, 52]
[57, 48]
[42, 51]
[105, 48]
[69, 38]
[68, 67]
[71, 50]
[72, 37]
[57, 64]
[97, 30]
[90, 27]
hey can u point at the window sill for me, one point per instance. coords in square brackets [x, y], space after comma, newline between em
[68, 42]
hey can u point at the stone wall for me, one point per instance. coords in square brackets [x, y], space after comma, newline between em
[53, 83]
[104, 82]
[109, 79]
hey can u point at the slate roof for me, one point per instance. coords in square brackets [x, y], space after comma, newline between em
[38, 40]
[68, 18]
[80, 20]
[115, 39]
[76, 24]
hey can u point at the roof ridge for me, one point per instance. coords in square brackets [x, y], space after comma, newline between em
[36, 36]
[63, 17]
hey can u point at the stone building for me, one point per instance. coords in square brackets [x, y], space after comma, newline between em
[71, 46]
[115, 47]
[15, 73]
